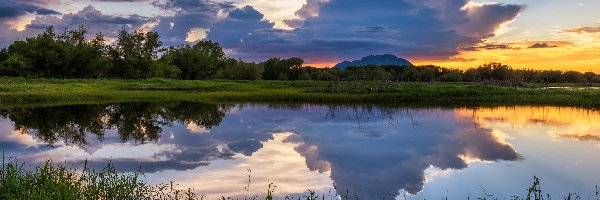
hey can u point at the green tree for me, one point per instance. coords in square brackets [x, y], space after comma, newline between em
[49, 54]
[135, 55]
[200, 61]
[550, 76]
[591, 77]
[239, 70]
[282, 69]
[499, 71]
[15, 65]
[454, 75]
[3, 54]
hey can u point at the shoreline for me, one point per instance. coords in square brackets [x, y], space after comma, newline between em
[23, 91]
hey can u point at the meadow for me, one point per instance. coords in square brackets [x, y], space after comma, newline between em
[32, 91]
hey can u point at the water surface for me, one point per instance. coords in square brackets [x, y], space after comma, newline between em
[373, 152]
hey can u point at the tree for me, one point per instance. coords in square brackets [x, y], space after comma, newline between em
[135, 55]
[574, 77]
[15, 65]
[451, 76]
[65, 55]
[3, 54]
[367, 73]
[201, 61]
[591, 77]
[282, 69]
[239, 70]
[499, 71]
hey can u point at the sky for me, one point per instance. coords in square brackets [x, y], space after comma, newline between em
[537, 34]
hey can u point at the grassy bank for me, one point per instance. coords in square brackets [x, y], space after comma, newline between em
[15, 91]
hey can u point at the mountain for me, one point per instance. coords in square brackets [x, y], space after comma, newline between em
[386, 59]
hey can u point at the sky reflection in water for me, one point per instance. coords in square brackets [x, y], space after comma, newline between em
[368, 150]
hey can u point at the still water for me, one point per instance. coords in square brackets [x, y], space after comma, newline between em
[372, 152]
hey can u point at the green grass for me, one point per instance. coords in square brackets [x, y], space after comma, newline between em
[68, 91]
[55, 181]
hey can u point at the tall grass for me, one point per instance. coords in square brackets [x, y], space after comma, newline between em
[56, 181]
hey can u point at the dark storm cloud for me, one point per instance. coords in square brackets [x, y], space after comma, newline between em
[10, 9]
[419, 29]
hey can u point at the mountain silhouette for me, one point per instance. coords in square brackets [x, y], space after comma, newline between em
[386, 59]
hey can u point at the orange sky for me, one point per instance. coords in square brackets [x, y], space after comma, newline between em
[582, 59]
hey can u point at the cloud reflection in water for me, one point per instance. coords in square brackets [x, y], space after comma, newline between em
[371, 151]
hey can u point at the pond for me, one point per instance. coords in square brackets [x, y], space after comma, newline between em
[364, 151]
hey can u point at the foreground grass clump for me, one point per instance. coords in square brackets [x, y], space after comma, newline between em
[51, 181]
[15, 91]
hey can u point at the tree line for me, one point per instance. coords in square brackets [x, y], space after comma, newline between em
[139, 54]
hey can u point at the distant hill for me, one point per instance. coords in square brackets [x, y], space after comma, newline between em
[386, 59]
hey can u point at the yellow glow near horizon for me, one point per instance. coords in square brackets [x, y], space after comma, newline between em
[582, 59]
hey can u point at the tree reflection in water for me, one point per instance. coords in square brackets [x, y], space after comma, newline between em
[139, 122]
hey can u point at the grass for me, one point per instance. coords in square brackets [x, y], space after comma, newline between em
[15, 91]
[55, 181]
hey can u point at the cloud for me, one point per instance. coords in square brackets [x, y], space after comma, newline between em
[346, 29]
[43, 2]
[10, 9]
[122, 0]
[487, 47]
[582, 30]
[188, 15]
[94, 20]
[309, 9]
[485, 19]
[542, 45]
